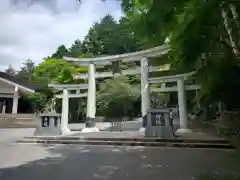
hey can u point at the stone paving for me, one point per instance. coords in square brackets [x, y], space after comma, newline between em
[134, 125]
[13, 134]
[136, 134]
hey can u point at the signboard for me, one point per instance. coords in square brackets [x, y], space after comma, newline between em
[157, 119]
[45, 121]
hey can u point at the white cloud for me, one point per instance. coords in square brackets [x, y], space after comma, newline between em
[35, 31]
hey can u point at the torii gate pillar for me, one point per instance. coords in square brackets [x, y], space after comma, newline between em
[145, 93]
[91, 100]
[182, 108]
[65, 111]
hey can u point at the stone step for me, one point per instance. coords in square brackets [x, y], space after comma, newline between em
[18, 120]
[130, 139]
[130, 143]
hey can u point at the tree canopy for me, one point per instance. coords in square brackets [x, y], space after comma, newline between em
[54, 70]
[26, 70]
[10, 70]
[203, 35]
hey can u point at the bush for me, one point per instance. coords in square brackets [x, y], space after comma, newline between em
[117, 97]
[229, 125]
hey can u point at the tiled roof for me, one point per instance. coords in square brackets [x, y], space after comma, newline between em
[19, 81]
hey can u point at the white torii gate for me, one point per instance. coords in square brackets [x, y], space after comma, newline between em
[65, 100]
[180, 88]
[137, 70]
[141, 56]
[91, 62]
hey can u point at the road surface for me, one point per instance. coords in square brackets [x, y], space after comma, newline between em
[72, 162]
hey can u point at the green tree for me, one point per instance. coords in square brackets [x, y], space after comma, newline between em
[110, 37]
[26, 70]
[39, 99]
[76, 48]
[116, 97]
[61, 51]
[10, 70]
[54, 70]
[204, 36]
[57, 71]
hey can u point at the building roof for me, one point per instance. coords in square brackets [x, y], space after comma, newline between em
[24, 85]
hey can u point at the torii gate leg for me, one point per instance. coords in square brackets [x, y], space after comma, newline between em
[65, 110]
[91, 100]
[182, 108]
[145, 93]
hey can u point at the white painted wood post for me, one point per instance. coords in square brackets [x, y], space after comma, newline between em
[182, 107]
[145, 92]
[15, 101]
[91, 100]
[65, 110]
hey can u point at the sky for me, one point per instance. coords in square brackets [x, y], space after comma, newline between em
[33, 29]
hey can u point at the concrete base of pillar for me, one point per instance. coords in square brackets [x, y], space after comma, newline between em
[65, 131]
[92, 129]
[90, 122]
[181, 132]
[142, 130]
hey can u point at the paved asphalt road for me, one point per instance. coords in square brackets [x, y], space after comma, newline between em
[71, 162]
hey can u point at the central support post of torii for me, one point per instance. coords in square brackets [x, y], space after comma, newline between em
[145, 93]
[91, 100]
[182, 108]
[180, 88]
[65, 111]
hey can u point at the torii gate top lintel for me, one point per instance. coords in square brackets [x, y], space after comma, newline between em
[184, 76]
[134, 56]
[68, 86]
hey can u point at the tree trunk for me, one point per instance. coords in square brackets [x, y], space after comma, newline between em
[229, 31]
[236, 20]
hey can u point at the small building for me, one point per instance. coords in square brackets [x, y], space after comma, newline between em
[14, 93]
